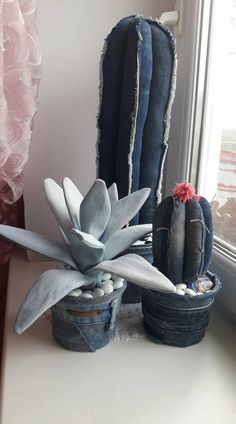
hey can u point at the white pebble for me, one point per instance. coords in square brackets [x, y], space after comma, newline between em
[181, 286]
[86, 295]
[118, 283]
[116, 278]
[75, 293]
[198, 293]
[106, 276]
[138, 243]
[190, 292]
[103, 283]
[97, 292]
[181, 292]
[107, 288]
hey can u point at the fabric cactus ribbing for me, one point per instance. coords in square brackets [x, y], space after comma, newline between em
[183, 235]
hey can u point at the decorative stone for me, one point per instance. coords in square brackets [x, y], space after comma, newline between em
[97, 292]
[107, 288]
[106, 276]
[75, 293]
[118, 283]
[103, 283]
[181, 286]
[190, 292]
[180, 292]
[86, 295]
[138, 242]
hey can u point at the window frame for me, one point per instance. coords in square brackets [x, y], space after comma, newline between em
[188, 125]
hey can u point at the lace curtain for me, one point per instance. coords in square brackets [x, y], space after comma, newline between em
[20, 72]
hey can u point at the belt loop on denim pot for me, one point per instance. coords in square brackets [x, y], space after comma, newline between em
[114, 309]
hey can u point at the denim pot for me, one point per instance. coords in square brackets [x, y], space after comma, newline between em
[133, 293]
[178, 320]
[85, 325]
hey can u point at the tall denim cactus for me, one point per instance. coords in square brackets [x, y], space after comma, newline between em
[138, 76]
[183, 235]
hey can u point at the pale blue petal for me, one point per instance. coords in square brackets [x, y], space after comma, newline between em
[137, 270]
[86, 250]
[95, 210]
[113, 194]
[38, 243]
[64, 237]
[124, 210]
[124, 238]
[73, 199]
[47, 290]
[56, 200]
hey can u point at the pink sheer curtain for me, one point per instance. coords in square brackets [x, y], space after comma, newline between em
[20, 72]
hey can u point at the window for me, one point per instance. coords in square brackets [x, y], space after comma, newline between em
[217, 159]
[202, 144]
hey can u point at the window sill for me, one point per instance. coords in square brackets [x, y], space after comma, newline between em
[126, 382]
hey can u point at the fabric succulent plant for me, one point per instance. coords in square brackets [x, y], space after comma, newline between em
[183, 235]
[93, 234]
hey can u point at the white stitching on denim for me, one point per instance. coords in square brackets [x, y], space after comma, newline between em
[104, 50]
[169, 106]
[134, 115]
[202, 222]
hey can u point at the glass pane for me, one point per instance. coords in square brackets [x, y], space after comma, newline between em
[218, 166]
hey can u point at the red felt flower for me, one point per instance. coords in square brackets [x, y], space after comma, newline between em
[185, 192]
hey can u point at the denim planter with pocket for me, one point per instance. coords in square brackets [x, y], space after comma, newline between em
[178, 320]
[85, 325]
[133, 293]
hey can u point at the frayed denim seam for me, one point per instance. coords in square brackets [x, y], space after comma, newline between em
[104, 50]
[170, 103]
[134, 115]
[114, 310]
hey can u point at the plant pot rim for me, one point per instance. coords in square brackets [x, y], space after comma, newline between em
[198, 298]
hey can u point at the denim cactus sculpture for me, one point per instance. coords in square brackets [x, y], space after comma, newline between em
[138, 78]
[182, 249]
[183, 235]
[93, 233]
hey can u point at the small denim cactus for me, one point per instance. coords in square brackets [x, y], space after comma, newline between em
[93, 234]
[183, 235]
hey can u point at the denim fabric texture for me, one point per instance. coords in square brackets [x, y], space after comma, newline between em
[137, 89]
[133, 293]
[153, 144]
[86, 333]
[134, 100]
[178, 320]
[206, 210]
[108, 117]
[161, 226]
[182, 239]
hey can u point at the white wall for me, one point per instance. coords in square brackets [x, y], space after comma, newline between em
[64, 135]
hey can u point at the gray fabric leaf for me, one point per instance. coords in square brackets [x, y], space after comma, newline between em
[124, 210]
[113, 194]
[56, 200]
[47, 290]
[73, 199]
[123, 239]
[38, 243]
[95, 210]
[64, 237]
[137, 270]
[86, 250]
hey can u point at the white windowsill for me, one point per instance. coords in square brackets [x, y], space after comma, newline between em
[135, 382]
